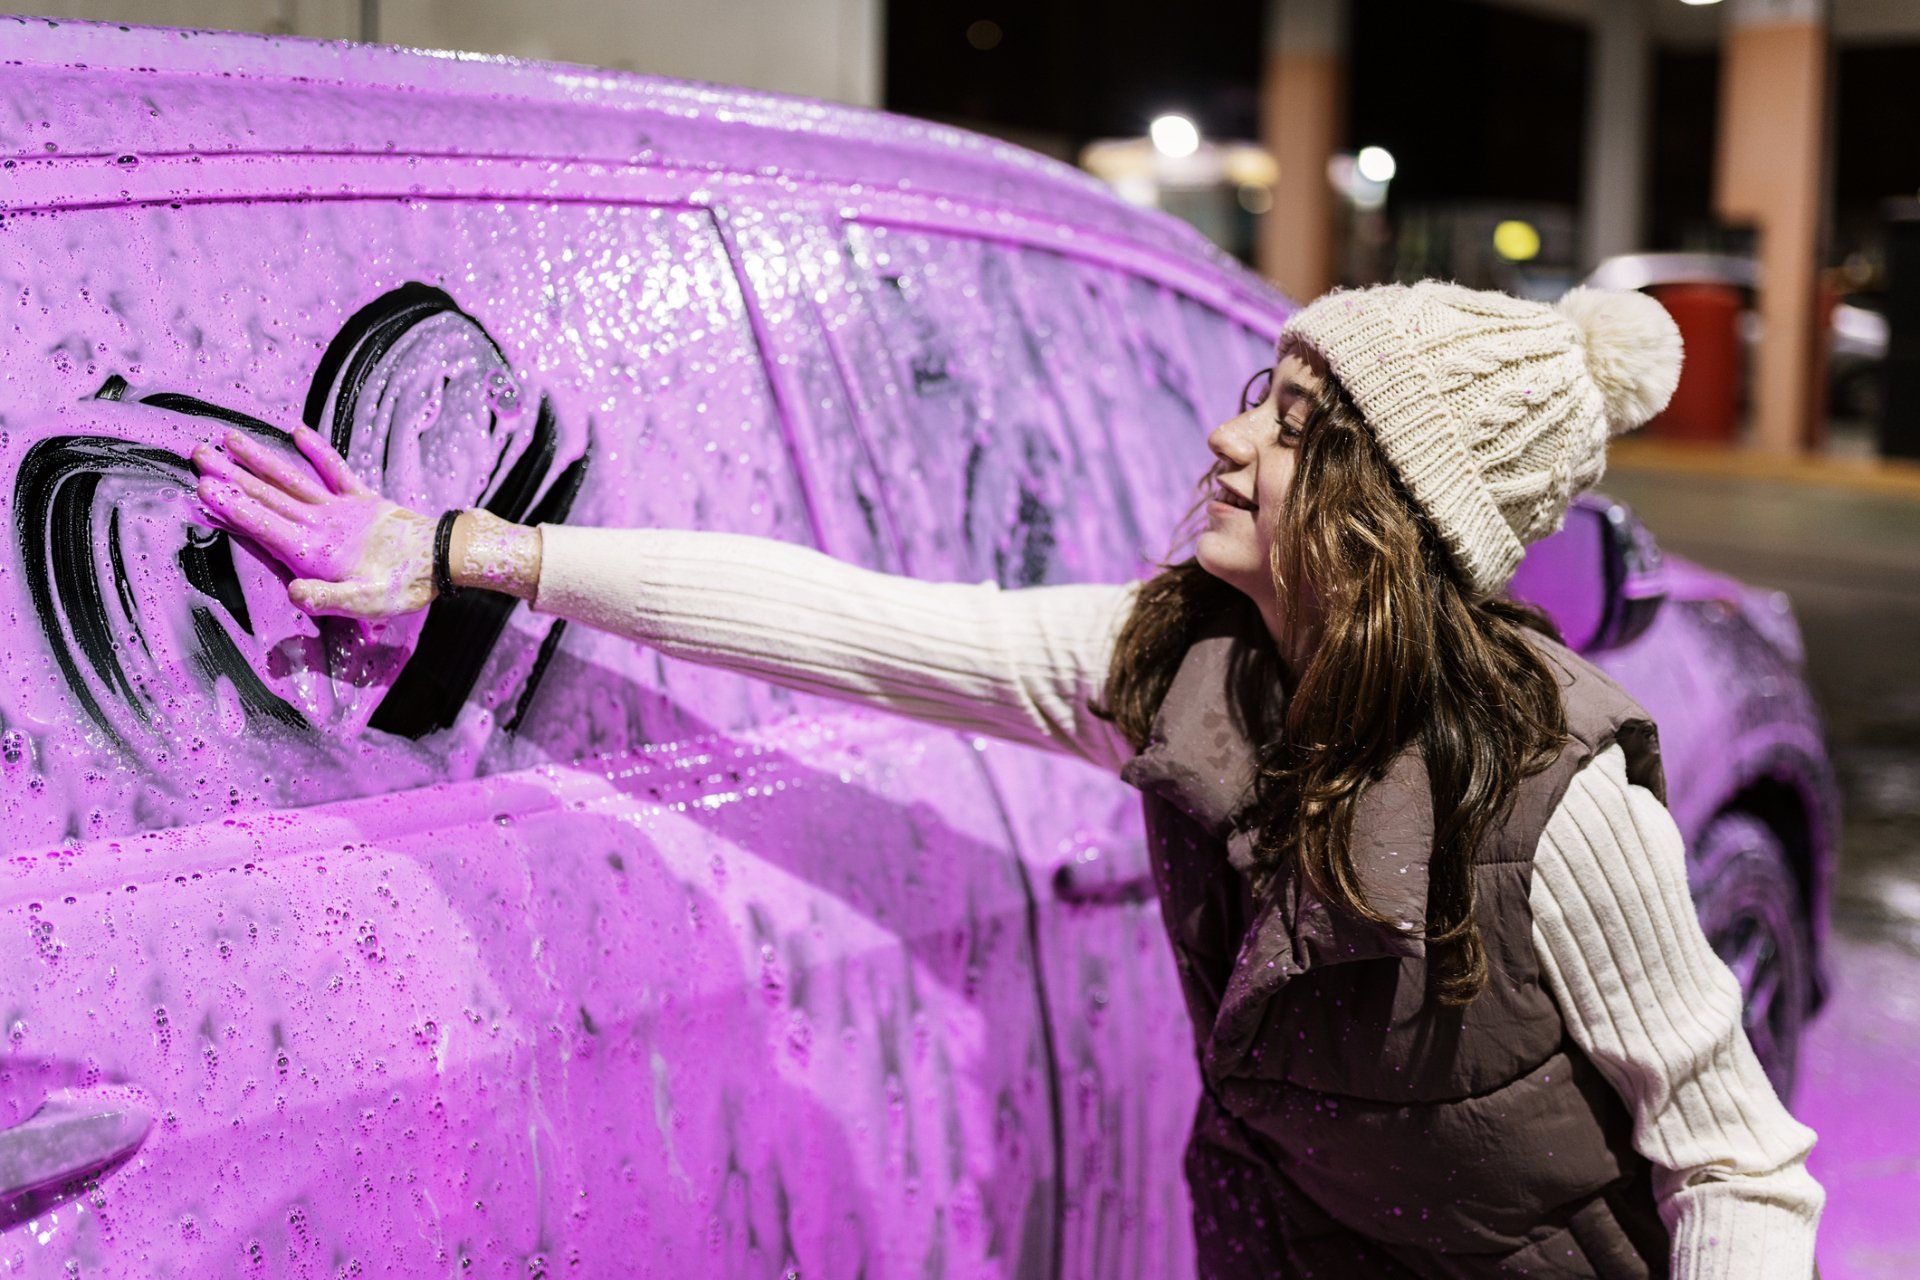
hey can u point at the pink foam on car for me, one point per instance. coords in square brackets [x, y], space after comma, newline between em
[474, 940]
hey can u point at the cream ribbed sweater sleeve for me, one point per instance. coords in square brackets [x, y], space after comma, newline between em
[1614, 926]
[1659, 1014]
[1019, 665]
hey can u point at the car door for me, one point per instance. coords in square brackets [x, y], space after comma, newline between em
[473, 939]
[1040, 417]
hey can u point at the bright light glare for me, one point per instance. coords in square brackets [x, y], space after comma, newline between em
[1174, 135]
[1699, 2]
[1376, 164]
[1516, 241]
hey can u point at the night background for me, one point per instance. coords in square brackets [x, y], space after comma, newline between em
[1752, 164]
[1479, 102]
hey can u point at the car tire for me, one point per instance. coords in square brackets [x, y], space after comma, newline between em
[1750, 908]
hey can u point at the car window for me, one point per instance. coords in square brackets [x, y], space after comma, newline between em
[1040, 418]
[551, 362]
[1222, 352]
[1186, 365]
[995, 472]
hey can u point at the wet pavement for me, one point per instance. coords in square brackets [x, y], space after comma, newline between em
[1850, 561]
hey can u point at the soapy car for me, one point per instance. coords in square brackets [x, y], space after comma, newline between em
[479, 941]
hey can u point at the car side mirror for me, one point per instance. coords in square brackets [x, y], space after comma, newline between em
[1599, 578]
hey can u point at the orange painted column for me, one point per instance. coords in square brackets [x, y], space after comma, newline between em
[1302, 123]
[1770, 174]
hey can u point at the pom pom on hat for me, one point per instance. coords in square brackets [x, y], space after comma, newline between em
[1632, 348]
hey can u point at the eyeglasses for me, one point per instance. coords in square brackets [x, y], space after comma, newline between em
[1258, 387]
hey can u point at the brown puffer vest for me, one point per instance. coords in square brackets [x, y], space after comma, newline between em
[1351, 1125]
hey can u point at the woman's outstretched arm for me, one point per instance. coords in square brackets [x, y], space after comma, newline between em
[1020, 665]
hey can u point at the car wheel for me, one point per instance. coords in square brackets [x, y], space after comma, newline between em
[1749, 905]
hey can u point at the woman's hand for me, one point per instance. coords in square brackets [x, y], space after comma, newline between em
[350, 550]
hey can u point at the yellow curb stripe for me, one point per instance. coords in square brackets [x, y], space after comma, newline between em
[1883, 477]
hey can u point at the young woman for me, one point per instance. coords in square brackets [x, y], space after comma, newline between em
[1455, 1013]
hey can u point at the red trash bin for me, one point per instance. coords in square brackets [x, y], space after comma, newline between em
[1706, 404]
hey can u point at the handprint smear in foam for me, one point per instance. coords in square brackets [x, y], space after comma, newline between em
[348, 395]
[153, 619]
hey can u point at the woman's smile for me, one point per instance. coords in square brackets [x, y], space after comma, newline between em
[1226, 499]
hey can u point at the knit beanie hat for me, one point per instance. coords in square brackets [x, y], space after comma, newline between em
[1494, 410]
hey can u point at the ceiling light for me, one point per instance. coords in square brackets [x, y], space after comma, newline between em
[1376, 164]
[1174, 135]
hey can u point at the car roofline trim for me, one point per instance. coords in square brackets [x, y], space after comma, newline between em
[98, 183]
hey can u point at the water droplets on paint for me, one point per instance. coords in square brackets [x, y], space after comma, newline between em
[502, 392]
[773, 976]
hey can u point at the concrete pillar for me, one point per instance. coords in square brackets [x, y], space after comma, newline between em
[1613, 193]
[1302, 121]
[820, 48]
[1770, 173]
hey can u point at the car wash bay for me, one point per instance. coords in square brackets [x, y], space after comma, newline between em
[1849, 558]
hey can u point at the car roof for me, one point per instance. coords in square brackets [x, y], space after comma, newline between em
[104, 94]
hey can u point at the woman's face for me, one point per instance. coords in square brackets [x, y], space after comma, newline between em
[1255, 454]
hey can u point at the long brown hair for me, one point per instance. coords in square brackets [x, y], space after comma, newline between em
[1405, 659]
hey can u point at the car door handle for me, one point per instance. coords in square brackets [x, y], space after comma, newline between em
[1079, 884]
[47, 1157]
